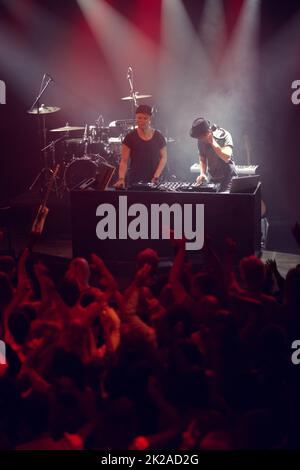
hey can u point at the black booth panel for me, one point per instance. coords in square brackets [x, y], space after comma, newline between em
[225, 215]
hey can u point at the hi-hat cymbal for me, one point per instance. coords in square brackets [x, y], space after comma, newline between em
[137, 96]
[99, 127]
[67, 129]
[115, 140]
[43, 110]
[124, 123]
[78, 140]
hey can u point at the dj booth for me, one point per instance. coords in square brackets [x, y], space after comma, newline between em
[234, 215]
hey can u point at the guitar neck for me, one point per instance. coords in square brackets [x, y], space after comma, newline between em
[50, 186]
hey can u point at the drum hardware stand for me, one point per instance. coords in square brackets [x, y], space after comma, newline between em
[51, 146]
[48, 169]
[100, 121]
[86, 141]
[42, 110]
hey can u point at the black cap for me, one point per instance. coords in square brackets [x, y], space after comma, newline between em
[200, 126]
[144, 109]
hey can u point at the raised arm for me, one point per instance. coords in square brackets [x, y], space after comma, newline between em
[112, 285]
[225, 152]
[22, 292]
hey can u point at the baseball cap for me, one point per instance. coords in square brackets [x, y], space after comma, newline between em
[199, 127]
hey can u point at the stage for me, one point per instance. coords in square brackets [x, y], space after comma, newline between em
[55, 245]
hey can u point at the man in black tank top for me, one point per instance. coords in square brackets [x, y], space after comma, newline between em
[215, 147]
[145, 149]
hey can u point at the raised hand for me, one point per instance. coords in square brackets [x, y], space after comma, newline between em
[142, 274]
[271, 265]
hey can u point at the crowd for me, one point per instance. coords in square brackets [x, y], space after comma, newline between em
[189, 359]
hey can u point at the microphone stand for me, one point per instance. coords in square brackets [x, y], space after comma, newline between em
[42, 89]
[132, 92]
[41, 127]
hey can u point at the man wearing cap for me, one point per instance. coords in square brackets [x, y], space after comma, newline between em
[215, 147]
[146, 149]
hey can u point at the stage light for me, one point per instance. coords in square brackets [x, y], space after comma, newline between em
[122, 43]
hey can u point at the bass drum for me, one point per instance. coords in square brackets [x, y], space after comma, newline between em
[79, 170]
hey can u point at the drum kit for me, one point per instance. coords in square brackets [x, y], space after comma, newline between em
[80, 157]
[85, 148]
[83, 155]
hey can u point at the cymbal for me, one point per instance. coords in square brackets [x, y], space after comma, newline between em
[137, 96]
[67, 129]
[43, 110]
[99, 127]
[124, 123]
[78, 140]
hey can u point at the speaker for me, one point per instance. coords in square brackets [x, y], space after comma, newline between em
[104, 175]
[101, 180]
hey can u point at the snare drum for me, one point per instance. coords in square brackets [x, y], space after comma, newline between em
[79, 170]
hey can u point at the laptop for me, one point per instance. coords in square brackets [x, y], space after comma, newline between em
[244, 184]
[100, 181]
